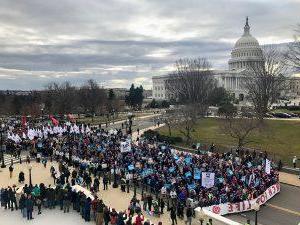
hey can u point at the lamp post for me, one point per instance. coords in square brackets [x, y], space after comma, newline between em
[256, 209]
[115, 184]
[30, 180]
[1, 144]
[134, 184]
[130, 116]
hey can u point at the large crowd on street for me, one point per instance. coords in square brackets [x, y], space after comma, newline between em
[169, 179]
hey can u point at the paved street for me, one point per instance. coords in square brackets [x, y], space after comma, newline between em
[284, 208]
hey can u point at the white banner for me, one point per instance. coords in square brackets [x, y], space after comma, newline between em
[208, 179]
[268, 166]
[125, 146]
[228, 208]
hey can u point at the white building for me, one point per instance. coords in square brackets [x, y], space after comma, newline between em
[246, 52]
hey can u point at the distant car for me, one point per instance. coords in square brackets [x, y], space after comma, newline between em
[294, 115]
[282, 115]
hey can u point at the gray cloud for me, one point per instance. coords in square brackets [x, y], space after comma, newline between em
[117, 42]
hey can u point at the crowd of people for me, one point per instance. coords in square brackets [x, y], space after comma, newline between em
[167, 178]
[66, 198]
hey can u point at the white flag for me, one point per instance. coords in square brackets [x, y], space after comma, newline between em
[268, 166]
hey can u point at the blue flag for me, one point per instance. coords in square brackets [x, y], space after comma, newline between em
[130, 167]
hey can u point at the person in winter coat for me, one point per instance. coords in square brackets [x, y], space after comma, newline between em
[29, 207]
[139, 219]
[21, 177]
[121, 218]
[96, 184]
[106, 216]
[99, 212]
[189, 215]
[147, 222]
[173, 216]
[39, 204]
[129, 221]
[113, 217]
[22, 205]
[87, 210]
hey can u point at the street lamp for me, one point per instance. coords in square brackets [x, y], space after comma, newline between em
[134, 184]
[256, 208]
[30, 181]
[130, 116]
[115, 184]
[1, 144]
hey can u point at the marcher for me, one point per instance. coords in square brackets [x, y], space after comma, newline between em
[189, 215]
[29, 207]
[11, 169]
[173, 216]
[295, 161]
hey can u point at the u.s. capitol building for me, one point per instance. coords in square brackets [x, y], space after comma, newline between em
[246, 52]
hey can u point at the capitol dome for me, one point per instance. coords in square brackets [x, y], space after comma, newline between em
[246, 51]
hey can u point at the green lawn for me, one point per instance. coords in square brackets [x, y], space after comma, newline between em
[280, 138]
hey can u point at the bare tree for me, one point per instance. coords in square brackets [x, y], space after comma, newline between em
[239, 129]
[192, 81]
[60, 98]
[190, 85]
[265, 81]
[170, 118]
[187, 120]
[293, 54]
[92, 98]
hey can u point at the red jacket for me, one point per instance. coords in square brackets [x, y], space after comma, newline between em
[139, 220]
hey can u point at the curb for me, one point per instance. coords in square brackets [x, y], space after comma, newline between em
[293, 185]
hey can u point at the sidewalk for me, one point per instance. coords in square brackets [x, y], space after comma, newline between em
[135, 134]
[134, 118]
[290, 179]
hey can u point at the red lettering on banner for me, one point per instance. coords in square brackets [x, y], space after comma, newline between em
[270, 191]
[249, 205]
[262, 199]
[230, 208]
[238, 206]
[258, 200]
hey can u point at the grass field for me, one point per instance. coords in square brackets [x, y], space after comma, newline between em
[279, 137]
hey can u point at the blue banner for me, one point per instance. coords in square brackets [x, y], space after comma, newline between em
[188, 160]
[130, 167]
[188, 174]
[197, 174]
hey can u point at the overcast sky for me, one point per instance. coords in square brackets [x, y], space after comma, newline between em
[117, 42]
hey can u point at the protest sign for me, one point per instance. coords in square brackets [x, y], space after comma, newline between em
[268, 166]
[125, 146]
[208, 179]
